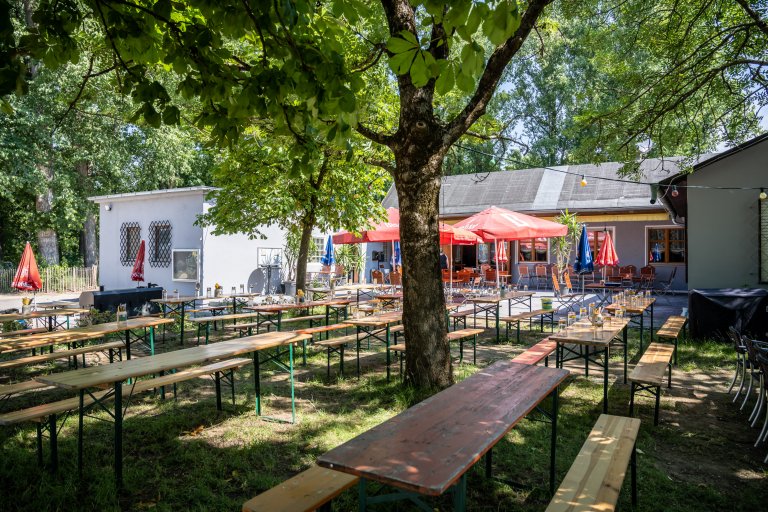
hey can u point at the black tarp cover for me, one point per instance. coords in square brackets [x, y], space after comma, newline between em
[712, 311]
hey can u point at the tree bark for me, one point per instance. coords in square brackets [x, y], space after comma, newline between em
[47, 239]
[89, 249]
[417, 178]
[307, 224]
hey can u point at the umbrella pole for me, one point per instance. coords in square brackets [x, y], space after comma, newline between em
[450, 266]
[496, 248]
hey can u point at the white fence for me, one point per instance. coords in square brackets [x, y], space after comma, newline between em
[56, 279]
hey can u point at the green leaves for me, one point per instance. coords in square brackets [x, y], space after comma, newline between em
[502, 23]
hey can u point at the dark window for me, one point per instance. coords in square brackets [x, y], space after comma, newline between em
[533, 250]
[130, 239]
[160, 243]
[666, 245]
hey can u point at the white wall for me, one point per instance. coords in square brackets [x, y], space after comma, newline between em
[231, 260]
[180, 210]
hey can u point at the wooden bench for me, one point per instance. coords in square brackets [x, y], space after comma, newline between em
[9, 390]
[463, 334]
[648, 375]
[295, 319]
[671, 330]
[595, 479]
[528, 315]
[311, 489]
[399, 351]
[21, 332]
[336, 345]
[81, 351]
[204, 322]
[460, 316]
[46, 415]
[538, 352]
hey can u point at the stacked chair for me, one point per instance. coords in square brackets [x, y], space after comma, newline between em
[751, 365]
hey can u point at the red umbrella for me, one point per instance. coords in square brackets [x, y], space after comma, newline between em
[501, 254]
[607, 256]
[388, 231]
[27, 275]
[451, 235]
[137, 274]
[497, 223]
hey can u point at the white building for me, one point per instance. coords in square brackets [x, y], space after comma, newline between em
[181, 255]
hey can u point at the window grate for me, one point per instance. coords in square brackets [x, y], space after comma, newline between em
[130, 239]
[160, 243]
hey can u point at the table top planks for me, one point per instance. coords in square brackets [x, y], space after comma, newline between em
[274, 308]
[428, 447]
[582, 332]
[106, 374]
[9, 317]
[632, 309]
[377, 320]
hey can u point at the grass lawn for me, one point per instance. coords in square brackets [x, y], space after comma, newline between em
[185, 455]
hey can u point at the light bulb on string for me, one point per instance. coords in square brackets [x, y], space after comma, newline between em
[675, 193]
[583, 181]
[763, 195]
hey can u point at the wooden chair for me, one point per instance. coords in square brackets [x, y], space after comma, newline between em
[627, 273]
[395, 279]
[647, 277]
[377, 277]
[523, 272]
[490, 277]
[541, 276]
[340, 273]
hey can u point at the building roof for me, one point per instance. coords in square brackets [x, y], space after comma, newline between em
[200, 189]
[710, 159]
[549, 191]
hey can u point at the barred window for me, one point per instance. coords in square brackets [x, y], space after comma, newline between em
[130, 239]
[160, 243]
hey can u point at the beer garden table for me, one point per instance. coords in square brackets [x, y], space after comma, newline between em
[338, 306]
[49, 315]
[637, 313]
[428, 449]
[88, 381]
[587, 337]
[374, 327]
[177, 305]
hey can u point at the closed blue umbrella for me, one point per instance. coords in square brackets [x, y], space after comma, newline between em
[396, 258]
[328, 258]
[584, 262]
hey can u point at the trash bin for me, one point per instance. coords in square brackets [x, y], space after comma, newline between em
[546, 303]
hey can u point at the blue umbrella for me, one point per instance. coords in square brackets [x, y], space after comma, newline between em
[328, 258]
[396, 258]
[584, 255]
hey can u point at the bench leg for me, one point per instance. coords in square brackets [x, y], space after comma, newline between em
[341, 360]
[553, 439]
[474, 349]
[631, 399]
[325, 507]
[656, 408]
[217, 380]
[53, 432]
[633, 472]
[232, 381]
[460, 493]
[39, 444]
[489, 463]
[328, 365]
[80, 435]
[461, 350]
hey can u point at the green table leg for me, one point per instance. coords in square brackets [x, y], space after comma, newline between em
[293, 391]
[152, 340]
[386, 337]
[257, 381]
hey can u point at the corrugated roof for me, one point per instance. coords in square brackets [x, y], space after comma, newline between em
[169, 191]
[549, 191]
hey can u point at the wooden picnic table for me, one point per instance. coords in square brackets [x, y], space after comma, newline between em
[487, 304]
[429, 448]
[604, 290]
[80, 334]
[50, 315]
[373, 327]
[637, 314]
[59, 304]
[583, 334]
[269, 310]
[86, 381]
[178, 305]
[320, 293]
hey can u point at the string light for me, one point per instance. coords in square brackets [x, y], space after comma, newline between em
[674, 192]
[605, 178]
[763, 195]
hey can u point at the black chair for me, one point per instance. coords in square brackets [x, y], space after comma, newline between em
[741, 350]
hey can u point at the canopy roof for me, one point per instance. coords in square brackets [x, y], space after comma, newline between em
[496, 223]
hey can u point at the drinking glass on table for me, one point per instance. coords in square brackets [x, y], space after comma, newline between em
[562, 324]
[571, 317]
[582, 313]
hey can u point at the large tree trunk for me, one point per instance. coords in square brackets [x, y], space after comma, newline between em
[307, 224]
[47, 239]
[89, 249]
[417, 179]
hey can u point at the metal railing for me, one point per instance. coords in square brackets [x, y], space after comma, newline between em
[56, 279]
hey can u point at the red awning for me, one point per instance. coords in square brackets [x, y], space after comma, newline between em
[388, 231]
[27, 275]
[137, 274]
[497, 223]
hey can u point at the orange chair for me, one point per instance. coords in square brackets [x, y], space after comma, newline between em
[377, 277]
[395, 279]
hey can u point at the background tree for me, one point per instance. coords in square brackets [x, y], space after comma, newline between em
[260, 187]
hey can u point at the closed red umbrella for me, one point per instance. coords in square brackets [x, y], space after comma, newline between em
[137, 274]
[501, 255]
[27, 276]
[607, 256]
